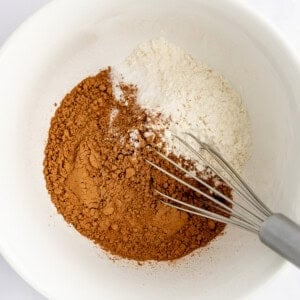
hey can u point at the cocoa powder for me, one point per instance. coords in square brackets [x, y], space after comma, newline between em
[98, 179]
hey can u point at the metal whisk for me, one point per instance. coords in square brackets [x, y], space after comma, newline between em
[245, 210]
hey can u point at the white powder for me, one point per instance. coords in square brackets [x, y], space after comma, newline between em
[113, 115]
[134, 138]
[196, 98]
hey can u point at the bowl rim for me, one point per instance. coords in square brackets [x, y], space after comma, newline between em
[269, 28]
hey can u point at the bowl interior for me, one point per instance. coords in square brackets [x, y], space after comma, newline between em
[69, 40]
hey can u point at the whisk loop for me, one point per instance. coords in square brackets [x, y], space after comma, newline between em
[249, 213]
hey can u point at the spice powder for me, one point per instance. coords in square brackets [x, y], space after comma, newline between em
[98, 179]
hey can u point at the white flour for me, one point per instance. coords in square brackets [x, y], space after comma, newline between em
[195, 97]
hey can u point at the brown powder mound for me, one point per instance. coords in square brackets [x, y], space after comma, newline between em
[98, 179]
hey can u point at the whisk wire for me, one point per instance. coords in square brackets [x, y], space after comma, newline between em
[234, 175]
[246, 193]
[207, 214]
[208, 164]
[233, 210]
[226, 209]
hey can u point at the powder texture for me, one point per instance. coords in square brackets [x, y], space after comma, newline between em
[98, 178]
[192, 95]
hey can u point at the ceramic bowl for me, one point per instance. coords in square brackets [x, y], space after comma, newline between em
[68, 40]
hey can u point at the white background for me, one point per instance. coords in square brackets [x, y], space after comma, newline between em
[284, 14]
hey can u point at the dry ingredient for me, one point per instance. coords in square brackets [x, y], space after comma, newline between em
[193, 96]
[98, 179]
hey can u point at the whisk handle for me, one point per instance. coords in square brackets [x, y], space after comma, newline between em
[283, 236]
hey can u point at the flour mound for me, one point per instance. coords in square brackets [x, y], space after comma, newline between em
[193, 96]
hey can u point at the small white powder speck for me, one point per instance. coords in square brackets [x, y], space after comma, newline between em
[148, 134]
[134, 138]
[113, 114]
[195, 97]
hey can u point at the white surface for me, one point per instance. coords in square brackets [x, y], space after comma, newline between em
[285, 13]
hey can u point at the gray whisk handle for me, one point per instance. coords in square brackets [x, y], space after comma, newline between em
[283, 236]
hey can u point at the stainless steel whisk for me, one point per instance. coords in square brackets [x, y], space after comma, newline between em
[246, 211]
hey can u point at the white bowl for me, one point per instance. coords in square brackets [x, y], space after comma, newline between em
[69, 40]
